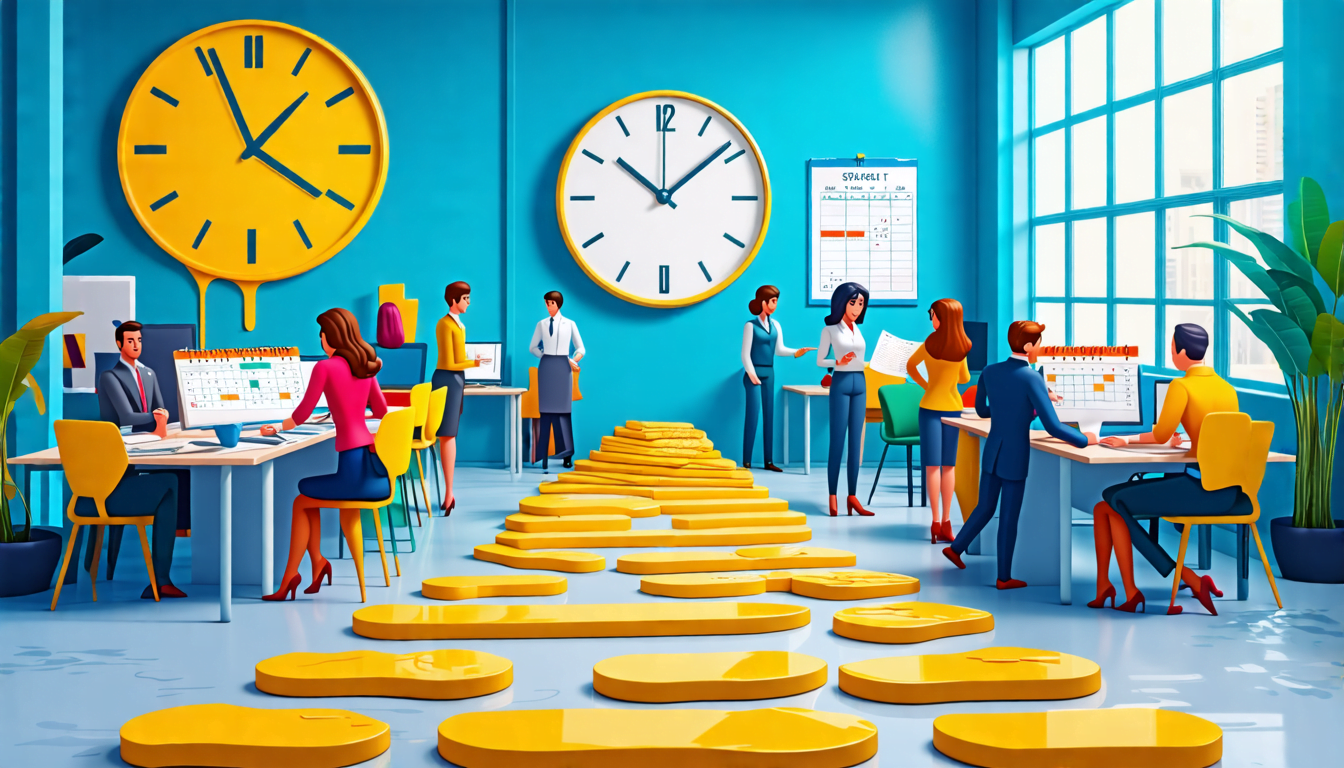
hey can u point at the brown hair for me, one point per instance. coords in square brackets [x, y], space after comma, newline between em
[949, 342]
[130, 326]
[556, 297]
[763, 294]
[342, 332]
[1024, 332]
[455, 291]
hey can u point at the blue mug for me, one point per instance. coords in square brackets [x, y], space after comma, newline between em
[228, 434]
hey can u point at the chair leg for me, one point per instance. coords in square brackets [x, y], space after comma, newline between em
[392, 534]
[1269, 573]
[382, 553]
[65, 563]
[149, 561]
[1153, 530]
[114, 535]
[909, 476]
[417, 511]
[879, 472]
[1180, 564]
[97, 553]
[436, 466]
[407, 512]
[424, 490]
[350, 526]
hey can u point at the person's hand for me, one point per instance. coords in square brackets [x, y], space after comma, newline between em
[267, 430]
[846, 359]
[755, 380]
[287, 425]
[164, 411]
[1177, 440]
[161, 423]
[1055, 397]
[574, 365]
[483, 360]
[1091, 437]
[1115, 441]
[804, 351]
[578, 357]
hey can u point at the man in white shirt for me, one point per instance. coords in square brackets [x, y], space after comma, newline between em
[551, 343]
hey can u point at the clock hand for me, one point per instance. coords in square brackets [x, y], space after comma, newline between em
[660, 195]
[280, 168]
[273, 127]
[697, 169]
[233, 100]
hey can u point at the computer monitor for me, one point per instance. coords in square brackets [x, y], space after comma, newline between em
[1095, 391]
[485, 373]
[307, 363]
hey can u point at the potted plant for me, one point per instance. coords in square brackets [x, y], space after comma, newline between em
[1307, 341]
[28, 556]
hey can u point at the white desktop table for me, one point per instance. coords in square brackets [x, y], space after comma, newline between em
[513, 421]
[808, 391]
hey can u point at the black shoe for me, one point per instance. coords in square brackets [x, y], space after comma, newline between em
[569, 463]
[772, 467]
[746, 465]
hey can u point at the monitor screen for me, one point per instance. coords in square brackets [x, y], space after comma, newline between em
[1159, 396]
[485, 372]
[978, 333]
[306, 364]
[1095, 391]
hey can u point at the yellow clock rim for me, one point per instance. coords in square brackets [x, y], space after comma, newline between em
[573, 247]
[339, 245]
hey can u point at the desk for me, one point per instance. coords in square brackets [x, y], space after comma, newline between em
[1042, 546]
[513, 422]
[808, 391]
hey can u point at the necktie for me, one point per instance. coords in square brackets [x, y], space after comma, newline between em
[552, 326]
[144, 404]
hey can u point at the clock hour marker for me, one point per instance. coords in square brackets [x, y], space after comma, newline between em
[734, 240]
[664, 279]
[622, 272]
[740, 153]
[204, 64]
[704, 126]
[162, 201]
[247, 52]
[252, 52]
[594, 157]
[164, 96]
[593, 239]
[256, 53]
[621, 123]
[705, 272]
[251, 246]
[200, 235]
[354, 149]
[347, 205]
[303, 235]
[151, 149]
[582, 197]
[302, 59]
[744, 197]
[342, 96]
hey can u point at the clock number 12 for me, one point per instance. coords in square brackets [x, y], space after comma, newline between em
[662, 118]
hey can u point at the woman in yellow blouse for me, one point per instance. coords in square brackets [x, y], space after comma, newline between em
[449, 373]
[943, 354]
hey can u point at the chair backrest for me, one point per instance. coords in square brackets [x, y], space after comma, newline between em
[404, 366]
[1233, 452]
[437, 399]
[900, 409]
[873, 382]
[420, 402]
[393, 441]
[94, 459]
[968, 397]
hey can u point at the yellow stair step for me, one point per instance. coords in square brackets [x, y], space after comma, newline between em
[438, 674]
[909, 622]
[714, 537]
[725, 480]
[737, 519]
[567, 562]
[479, 622]
[745, 559]
[694, 443]
[245, 737]
[778, 737]
[664, 494]
[660, 433]
[497, 585]
[562, 504]
[732, 676]
[825, 585]
[1080, 738]
[588, 465]
[526, 523]
[710, 460]
[722, 505]
[652, 426]
[987, 674]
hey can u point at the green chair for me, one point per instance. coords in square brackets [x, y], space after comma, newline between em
[900, 426]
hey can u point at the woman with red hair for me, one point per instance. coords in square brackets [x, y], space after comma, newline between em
[943, 354]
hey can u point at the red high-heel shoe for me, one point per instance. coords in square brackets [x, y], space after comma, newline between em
[288, 589]
[951, 554]
[447, 507]
[945, 532]
[1132, 603]
[1205, 595]
[317, 580]
[1100, 602]
[852, 505]
[1207, 583]
[834, 512]
[934, 530]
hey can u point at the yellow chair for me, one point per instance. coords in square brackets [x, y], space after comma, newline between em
[428, 440]
[420, 404]
[1233, 452]
[531, 410]
[94, 459]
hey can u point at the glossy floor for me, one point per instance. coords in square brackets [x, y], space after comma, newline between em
[1271, 679]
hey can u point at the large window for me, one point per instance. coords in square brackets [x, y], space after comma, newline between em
[1142, 119]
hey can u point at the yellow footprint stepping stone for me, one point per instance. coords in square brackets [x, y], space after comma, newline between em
[588, 465]
[564, 505]
[826, 585]
[664, 677]
[702, 460]
[526, 523]
[660, 433]
[778, 737]
[852, 585]
[714, 584]
[441, 674]
[737, 519]
[500, 585]
[723, 506]
[659, 493]
[621, 479]
[654, 426]
[1077, 738]
[477, 622]
[909, 622]
[989, 674]
[713, 537]
[744, 559]
[567, 562]
[243, 737]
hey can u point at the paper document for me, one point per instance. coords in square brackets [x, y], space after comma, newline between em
[140, 437]
[892, 354]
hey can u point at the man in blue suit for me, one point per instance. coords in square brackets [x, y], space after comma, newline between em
[1018, 395]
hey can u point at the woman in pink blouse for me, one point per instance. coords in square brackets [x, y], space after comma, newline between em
[347, 379]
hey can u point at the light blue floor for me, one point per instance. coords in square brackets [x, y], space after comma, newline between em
[1271, 679]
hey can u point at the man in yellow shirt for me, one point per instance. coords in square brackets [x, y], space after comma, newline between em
[1189, 399]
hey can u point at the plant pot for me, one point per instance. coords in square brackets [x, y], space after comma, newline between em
[1308, 554]
[27, 567]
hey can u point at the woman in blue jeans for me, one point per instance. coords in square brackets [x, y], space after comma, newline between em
[842, 349]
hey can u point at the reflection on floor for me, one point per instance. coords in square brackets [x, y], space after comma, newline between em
[1271, 679]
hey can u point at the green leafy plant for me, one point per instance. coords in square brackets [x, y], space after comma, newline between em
[18, 356]
[1305, 337]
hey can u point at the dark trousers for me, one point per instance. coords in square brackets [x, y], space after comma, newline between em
[114, 533]
[1174, 494]
[760, 399]
[137, 495]
[849, 404]
[559, 425]
[994, 489]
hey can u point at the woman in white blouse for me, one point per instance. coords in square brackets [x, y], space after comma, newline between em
[762, 341]
[842, 348]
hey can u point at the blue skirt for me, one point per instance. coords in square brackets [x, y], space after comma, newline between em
[360, 476]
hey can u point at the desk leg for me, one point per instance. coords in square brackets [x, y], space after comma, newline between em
[1243, 560]
[1065, 531]
[516, 434]
[786, 428]
[267, 527]
[807, 435]
[226, 544]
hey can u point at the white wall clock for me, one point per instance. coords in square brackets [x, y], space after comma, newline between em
[663, 198]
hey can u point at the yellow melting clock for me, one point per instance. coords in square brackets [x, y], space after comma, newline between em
[252, 151]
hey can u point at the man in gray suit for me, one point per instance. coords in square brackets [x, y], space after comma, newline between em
[129, 394]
